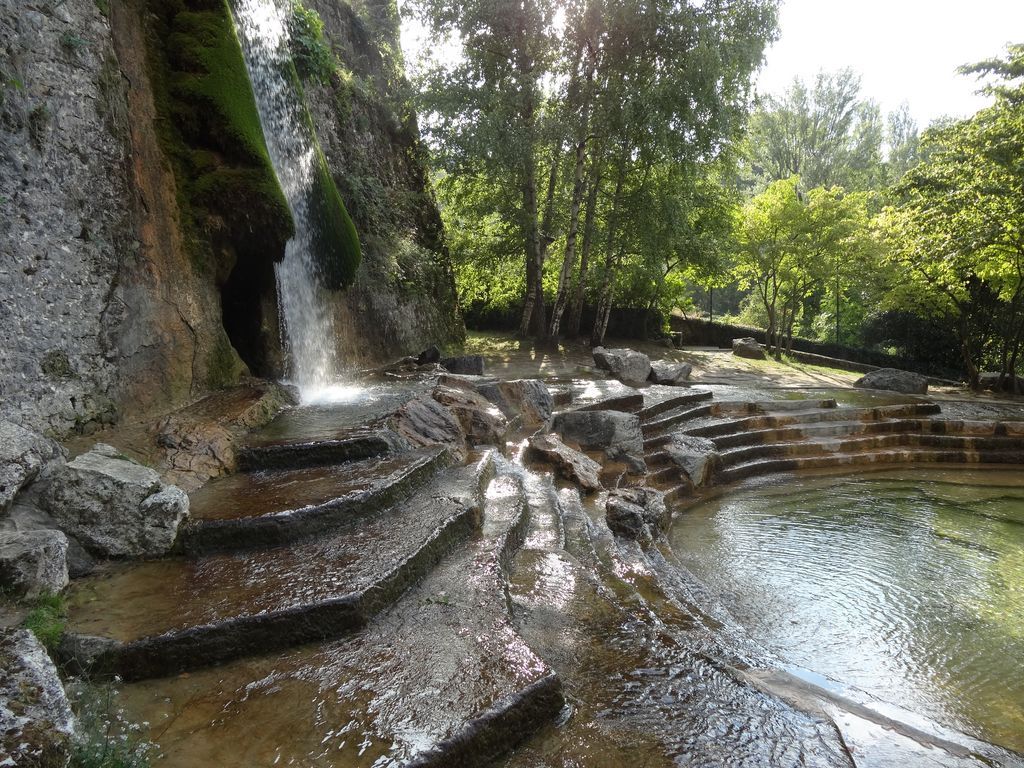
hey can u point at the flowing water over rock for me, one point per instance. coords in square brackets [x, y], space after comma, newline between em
[307, 323]
[905, 584]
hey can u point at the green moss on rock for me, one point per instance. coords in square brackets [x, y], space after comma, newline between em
[335, 241]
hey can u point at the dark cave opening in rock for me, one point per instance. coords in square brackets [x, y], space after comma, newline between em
[249, 310]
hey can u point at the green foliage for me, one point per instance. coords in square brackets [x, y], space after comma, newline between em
[310, 51]
[956, 232]
[47, 619]
[104, 737]
[103, 6]
[335, 242]
[71, 42]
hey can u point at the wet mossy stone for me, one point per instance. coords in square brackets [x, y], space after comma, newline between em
[211, 130]
[335, 241]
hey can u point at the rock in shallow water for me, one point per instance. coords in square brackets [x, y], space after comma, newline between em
[573, 465]
[33, 563]
[617, 434]
[114, 506]
[424, 421]
[894, 380]
[529, 398]
[469, 365]
[36, 723]
[481, 420]
[637, 513]
[696, 456]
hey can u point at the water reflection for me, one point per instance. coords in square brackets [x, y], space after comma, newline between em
[909, 584]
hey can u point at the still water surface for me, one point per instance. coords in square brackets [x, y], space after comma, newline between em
[907, 584]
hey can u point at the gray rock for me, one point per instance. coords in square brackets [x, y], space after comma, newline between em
[470, 365]
[33, 563]
[990, 380]
[626, 365]
[481, 420]
[423, 421]
[429, 355]
[528, 398]
[23, 455]
[80, 562]
[667, 372]
[36, 723]
[637, 513]
[114, 506]
[571, 464]
[696, 456]
[614, 432]
[83, 654]
[749, 348]
[894, 380]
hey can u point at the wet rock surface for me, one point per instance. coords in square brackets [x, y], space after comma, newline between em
[114, 506]
[894, 380]
[571, 464]
[33, 563]
[529, 399]
[36, 723]
[617, 434]
[696, 456]
[481, 420]
[424, 421]
[637, 513]
[467, 365]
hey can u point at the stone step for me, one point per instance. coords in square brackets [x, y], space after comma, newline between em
[892, 455]
[825, 445]
[817, 416]
[673, 403]
[298, 453]
[171, 615]
[734, 407]
[440, 678]
[269, 508]
[838, 429]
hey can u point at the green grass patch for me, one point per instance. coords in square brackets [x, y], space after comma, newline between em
[47, 619]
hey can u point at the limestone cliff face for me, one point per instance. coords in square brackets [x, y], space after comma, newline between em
[105, 313]
[404, 297]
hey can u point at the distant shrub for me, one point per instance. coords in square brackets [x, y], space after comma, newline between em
[310, 51]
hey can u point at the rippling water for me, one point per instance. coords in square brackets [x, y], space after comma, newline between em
[906, 584]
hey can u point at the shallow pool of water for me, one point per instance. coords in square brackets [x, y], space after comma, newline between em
[906, 584]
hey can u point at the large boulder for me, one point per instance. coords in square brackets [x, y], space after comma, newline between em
[990, 380]
[423, 421]
[33, 563]
[894, 380]
[36, 723]
[637, 513]
[527, 398]
[749, 348]
[23, 455]
[667, 372]
[469, 365]
[114, 506]
[571, 464]
[481, 420]
[614, 432]
[695, 456]
[626, 365]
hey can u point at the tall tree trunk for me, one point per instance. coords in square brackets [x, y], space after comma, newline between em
[531, 233]
[572, 326]
[578, 185]
[539, 324]
[604, 302]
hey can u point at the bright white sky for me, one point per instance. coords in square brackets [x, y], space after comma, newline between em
[904, 50]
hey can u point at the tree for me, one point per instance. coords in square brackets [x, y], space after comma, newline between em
[957, 229]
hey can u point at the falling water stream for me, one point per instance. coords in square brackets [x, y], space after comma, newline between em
[306, 320]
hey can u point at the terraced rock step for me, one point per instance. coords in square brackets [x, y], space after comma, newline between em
[441, 678]
[775, 421]
[909, 455]
[656, 427]
[297, 453]
[172, 615]
[672, 403]
[275, 507]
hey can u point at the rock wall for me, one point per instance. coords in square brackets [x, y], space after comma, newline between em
[105, 314]
[404, 296]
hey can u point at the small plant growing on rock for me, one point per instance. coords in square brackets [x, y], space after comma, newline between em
[105, 738]
[46, 619]
[310, 50]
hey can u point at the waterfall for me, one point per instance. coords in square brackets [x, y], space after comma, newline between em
[306, 321]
